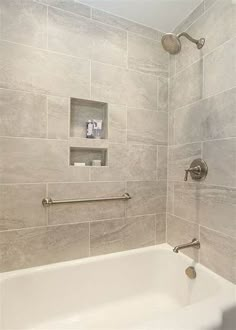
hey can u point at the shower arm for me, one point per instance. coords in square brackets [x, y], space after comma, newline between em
[186, 35]
[199, 43]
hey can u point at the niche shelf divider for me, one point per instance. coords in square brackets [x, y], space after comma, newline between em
[82, 149]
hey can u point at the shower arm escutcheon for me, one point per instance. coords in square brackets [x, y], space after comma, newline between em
[199, 42]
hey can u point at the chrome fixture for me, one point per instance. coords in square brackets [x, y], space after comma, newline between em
[172, 44]
[191, 272]
[198, 170]
[49, 201]
[195, 244]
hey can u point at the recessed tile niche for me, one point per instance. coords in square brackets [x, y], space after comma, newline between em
[83, 149]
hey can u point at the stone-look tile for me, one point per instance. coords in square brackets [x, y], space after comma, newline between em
[147, 56]
[186, 87]
[117, 124]
[147, 198]
[171, 126]
[162, 162]
[180, 231]
[122, 234]
[172, 63]
[216, 25]
[213, 118]
[170, 198]
[79, 36]
[30, 69]
[141, 163]
[72, 6]
[211, 206]
[217, 64]
[22, 114]
[21, 207]
[36, 160]
[160, 228]
[24, 22]
[108, 83]
[139, 231]
[218, 252]
[180, 158]
[83, 212]
[122, 23]
[34, 247]
[220, 157]
[106, 237]
[58, 117]
[117, 165]
[147, 127]
[116, 85]
[209, 3]
[162, 94]
[196, 13]
[141, 90]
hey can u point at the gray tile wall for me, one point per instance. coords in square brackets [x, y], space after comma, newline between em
[202, 123]
[50, 51]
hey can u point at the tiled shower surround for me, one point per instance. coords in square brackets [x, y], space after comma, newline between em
[52, 51]
[202, 124]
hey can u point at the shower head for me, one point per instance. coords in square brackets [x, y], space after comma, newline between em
[172, 44]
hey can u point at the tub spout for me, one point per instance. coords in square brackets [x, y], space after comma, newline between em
[195, 244]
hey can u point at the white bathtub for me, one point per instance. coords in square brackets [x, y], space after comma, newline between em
[140, 289]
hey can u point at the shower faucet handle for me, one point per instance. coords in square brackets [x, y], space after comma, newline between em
[195, 170]
[198, 170]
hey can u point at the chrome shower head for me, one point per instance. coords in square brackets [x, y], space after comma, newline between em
[172, 44]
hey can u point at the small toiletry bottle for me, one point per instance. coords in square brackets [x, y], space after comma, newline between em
[97, 129]
[89, 132]
[96, 162]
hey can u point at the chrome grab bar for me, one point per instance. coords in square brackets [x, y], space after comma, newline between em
[49, 201]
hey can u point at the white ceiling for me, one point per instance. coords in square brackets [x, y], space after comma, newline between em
[163, 15]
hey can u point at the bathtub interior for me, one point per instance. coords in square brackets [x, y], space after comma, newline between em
[144, 282]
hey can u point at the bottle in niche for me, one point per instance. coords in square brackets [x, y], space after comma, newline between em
[97, 129]
[89, 131]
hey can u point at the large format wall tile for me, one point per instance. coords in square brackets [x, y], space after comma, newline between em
[162, 94]
[21, 207]
[31, 69]
[141, 91]
[180, 231]
[106, 236]
[147, 56]
[34, 247]
[162, 153]
[72, 6]
[108, 83]
[58, 117]
[84, 38]
[160, 228]
[147, 197]
[187, 86]
[147, 127]
[122, 234]
[22, 114]
[211, 118]
[37, 160]
[24, 22]
[218, 252]
[117, 121]
[220, 68]
[220, 156]
[83, 212]
[209, 205]
[125, 24]
[141, 163]
[139, 231]
[216, 25]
